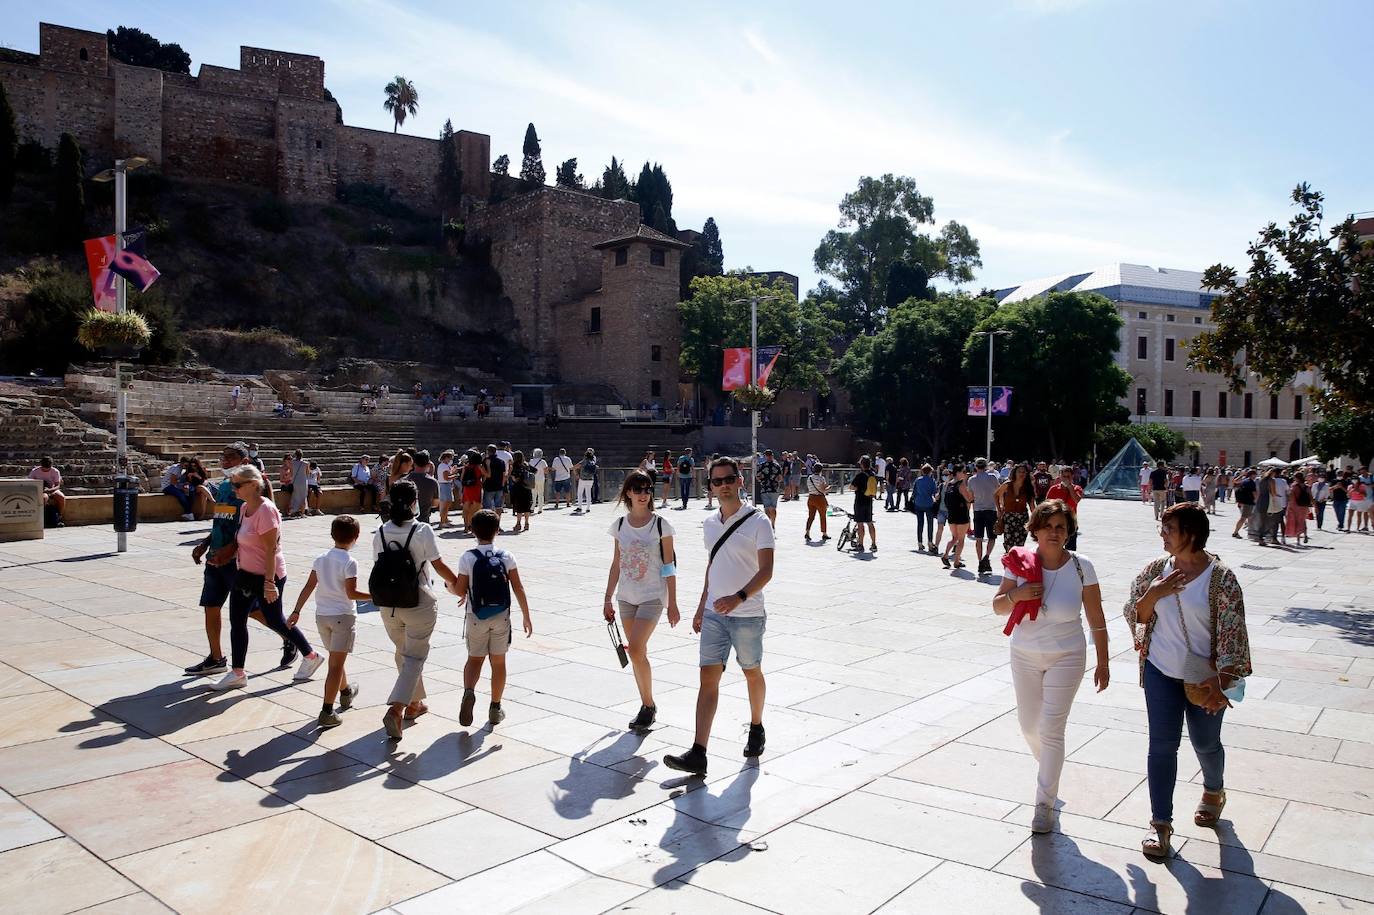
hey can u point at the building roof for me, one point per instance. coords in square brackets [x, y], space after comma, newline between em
[1122, 283]
[645, 234]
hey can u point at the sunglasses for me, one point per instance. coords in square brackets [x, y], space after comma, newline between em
[724, 481]
[641, 490]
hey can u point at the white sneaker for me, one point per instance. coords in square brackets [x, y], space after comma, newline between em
[308, 667]
[1043, 820]
[188, 517]
[230, 681]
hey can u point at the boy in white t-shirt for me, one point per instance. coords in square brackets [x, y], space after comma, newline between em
[486, 580]
[334, 581]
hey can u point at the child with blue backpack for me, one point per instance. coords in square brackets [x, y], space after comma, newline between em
[486, 579]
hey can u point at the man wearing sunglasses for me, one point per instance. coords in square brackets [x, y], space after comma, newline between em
[730, 614]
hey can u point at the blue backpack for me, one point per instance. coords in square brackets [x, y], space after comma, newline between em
[489, 588]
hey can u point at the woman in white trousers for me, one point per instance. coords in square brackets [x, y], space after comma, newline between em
[1049, 653]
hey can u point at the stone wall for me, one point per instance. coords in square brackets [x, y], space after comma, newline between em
[294, 74]
[219, 137]
[138, 112]
[73, 50]
[307, 144]
[541, 245]
[48, 103]
[408, 165]
[236, 82]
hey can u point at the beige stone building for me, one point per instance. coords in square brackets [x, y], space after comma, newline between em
[1162, 309]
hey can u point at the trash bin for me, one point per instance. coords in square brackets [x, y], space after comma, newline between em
[125, 505]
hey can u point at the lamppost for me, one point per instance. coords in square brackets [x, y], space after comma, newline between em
[753, 301]
[119, 175]
[990, 334]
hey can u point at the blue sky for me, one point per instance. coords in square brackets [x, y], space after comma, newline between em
[1064, 133]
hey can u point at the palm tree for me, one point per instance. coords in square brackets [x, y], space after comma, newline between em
[402, 98]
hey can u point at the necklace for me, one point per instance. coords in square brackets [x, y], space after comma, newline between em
[1049, 575]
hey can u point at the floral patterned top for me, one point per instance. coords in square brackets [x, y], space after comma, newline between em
[1230, 641]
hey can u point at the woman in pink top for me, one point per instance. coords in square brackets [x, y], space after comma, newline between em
[260, 579]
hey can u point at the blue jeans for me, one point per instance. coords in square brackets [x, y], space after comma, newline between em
[1167, 708]
[721, 633]
[1321, 514]
[1340, 513]
[925, 525]
[181, 495]
[686, 486]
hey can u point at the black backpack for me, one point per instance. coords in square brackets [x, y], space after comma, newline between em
[684, 466]
[658, 524]
[489, 589]
[395, 579]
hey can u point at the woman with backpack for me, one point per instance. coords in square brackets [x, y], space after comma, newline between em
[586, 481]
[521, 495]
[400, 586]
[643, 573]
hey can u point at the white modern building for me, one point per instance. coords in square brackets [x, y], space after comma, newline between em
[1161, 310]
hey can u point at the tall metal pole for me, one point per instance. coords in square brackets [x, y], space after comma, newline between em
[754, 381]
[121, 303]
[987, 453]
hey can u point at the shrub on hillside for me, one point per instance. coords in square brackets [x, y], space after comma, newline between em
[271, 214]
[375, 197]
[48, 309]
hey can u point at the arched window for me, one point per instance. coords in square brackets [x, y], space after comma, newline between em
[84, 55]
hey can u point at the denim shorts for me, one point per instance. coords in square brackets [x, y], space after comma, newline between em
[218, 582]
[493, 500]
[562, 485]
[445, 492]
[768, 499]
[721, 633]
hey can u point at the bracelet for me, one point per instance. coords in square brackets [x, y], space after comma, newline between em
[1097, 628]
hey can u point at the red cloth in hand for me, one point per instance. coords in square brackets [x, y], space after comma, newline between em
[1022, 562]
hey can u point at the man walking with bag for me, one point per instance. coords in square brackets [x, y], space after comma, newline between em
[730, 613]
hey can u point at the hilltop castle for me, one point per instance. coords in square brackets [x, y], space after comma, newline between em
[594, 293]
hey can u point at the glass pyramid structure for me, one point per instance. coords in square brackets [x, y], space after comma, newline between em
[1120, 479]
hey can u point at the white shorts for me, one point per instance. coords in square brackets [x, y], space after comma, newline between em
[487, 637]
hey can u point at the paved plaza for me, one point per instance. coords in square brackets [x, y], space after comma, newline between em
[895, 777]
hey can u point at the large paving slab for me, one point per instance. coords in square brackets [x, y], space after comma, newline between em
[895, 780]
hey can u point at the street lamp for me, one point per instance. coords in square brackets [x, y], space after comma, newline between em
[753, 301]
[119, 175]
[990, 334]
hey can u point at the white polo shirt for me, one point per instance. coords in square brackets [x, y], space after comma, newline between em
[738, 560]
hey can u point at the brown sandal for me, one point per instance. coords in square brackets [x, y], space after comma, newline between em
[1156, 844]
[1208, 814]
[412, 712]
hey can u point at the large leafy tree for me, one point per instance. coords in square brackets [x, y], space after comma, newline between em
[566, 176]
[9, 147]
[502, 165]
[1159, 441]
[706, 257]
[906, 382]
[1059, 356]
[1306, 302]
[137, 47]
[881, 225]
[716, 316]
[532, 163]
[402, 100]
[1344, 431]
[69, 193]
[614, 184]
[450, 174]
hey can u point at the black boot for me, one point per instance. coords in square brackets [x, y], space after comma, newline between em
[645, 719]
[754, 747]
[693, 761]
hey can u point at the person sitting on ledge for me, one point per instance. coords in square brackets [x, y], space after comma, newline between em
[51, 478]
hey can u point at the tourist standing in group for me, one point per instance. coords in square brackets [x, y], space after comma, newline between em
[494, 481]
[903, 484]
[770, 476]
[730, 614]
[792, 489]
[426, 486]
[1209, 491]
[1223, 483]
[1015, 502]
[445, 476]
[817, 489]
[521, 495]
[540, 468]
[941, 508]
[361, 478]
[1295, 515]
[1361, 501]
[865, 486]
[1275, 508]
[562, 478]
[958, 500]
[1070, 493]
[218, 550]
[925, 491]
[1340, 500]
[1187, 615]
[300, 486]
[403, 550]
[668, 468]
[642, 579]
[649, 465]
[686, 467]
[471, 475]
[286, 476]
[1048, 650]
[1159, 487]
[1192, 485]
[1321, 493]
[1246, 492]
[983, 484]
[259, 580]
[586, 479]
[1145, 470]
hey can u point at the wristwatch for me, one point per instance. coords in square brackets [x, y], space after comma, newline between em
[742, 595]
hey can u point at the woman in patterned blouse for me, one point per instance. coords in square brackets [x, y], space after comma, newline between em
[1186, 603]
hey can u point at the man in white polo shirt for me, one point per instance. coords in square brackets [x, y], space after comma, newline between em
[730, 614]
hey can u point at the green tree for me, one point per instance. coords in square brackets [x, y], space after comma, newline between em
[1059, 357]
[653, 190]
[1307, 301]
[887, 214]
[716, 316]
[9, 147]
[137, 47]
[566, 176]
[706, 257]
[532, 165]
[502, 165]
[450, 178]
[1344, 431]
[907, 281]
[614, 184]
[1158, 440]
[69, 193]
[402, 99]
[906, 382]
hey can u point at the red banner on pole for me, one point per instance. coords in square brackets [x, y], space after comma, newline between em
[99, 253]
[736, 371]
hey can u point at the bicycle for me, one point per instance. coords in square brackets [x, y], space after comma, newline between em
[848, 535]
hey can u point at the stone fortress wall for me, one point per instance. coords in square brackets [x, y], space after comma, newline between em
[269, 123]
